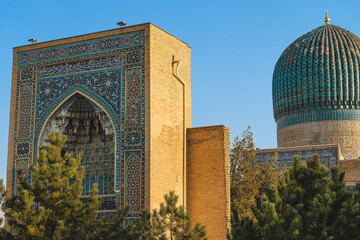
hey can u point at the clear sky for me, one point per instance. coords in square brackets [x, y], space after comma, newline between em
[235, 45]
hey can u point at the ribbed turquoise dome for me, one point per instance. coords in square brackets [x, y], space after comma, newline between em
[320, 70]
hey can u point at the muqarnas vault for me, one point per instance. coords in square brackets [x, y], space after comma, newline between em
[124, 102]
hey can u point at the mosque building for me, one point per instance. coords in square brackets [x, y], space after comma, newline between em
[316, 100]
[123, 98]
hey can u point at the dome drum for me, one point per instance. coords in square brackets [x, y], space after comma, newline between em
[317, 106]
[346, 134]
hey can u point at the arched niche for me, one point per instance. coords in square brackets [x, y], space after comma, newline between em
[91, 136]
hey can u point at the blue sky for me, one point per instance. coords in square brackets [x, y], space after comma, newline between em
[235, 45]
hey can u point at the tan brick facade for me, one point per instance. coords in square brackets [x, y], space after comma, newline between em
[166, 114]
[208, 179]
[167, 78]
[352, 170]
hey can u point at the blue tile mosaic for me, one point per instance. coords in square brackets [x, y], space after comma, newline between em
[110, 73]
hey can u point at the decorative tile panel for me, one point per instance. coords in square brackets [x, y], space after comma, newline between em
[25, 108]
[110, 73]
[318, 116]
[133, 183]
[23, 165]
[133, 98]
[106, 83]
[27, 73]
[328, 155]
[319, 70]
[120, 41]
[79, 66]
[133, 138]
[23, 148]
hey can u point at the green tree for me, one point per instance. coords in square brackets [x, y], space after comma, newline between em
[117, 229]
[2, 196]
[172, 222]
[50, 207]
[249, 180]
[308, 204]
[4, 235]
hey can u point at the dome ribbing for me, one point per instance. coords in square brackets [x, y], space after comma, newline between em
[320, 70]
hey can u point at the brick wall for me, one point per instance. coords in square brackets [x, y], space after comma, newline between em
[166, 118]
[208, 179]
[351, 169]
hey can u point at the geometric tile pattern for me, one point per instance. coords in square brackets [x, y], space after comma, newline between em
[79, 66]
[109, 72]
[319, 115]
[104, 82]
[98, 160]
[316, 92]
[132, 57]
[133, 98]
[133, 186]
[82, 48]
[328, 155]
[22, 148]
[133, 138]
[319, 70]
[23, 166]
[27, 73]
[25, 111]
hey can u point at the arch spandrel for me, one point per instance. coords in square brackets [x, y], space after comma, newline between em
[85, 91]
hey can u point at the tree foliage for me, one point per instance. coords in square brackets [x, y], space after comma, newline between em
[49, 206]
[3, 233]
[2, 196]
[172, 222]
[308, 204]
[168, 222]
[249, 180]
[118, 229]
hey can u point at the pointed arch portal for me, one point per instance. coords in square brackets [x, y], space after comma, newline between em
[91, 136]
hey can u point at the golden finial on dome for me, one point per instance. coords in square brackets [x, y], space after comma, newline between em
[327, 19]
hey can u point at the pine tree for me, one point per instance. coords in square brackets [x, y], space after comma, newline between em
[118, 229]
[50, 207]
[308, 204]
[2, 195]
[4, 235]
[172, 222]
